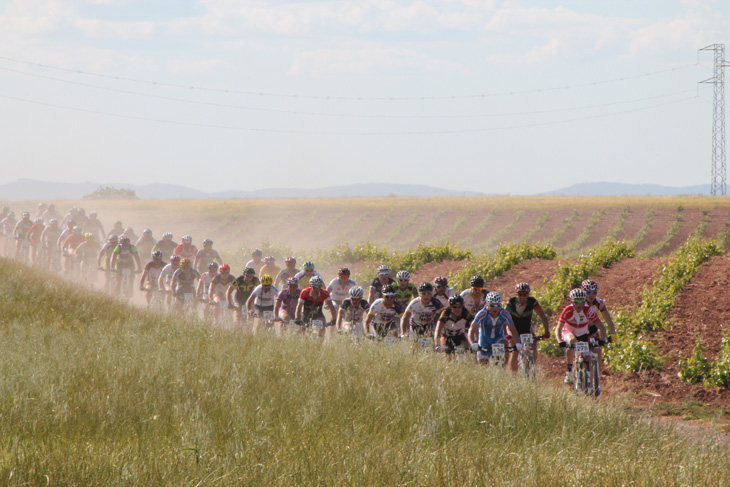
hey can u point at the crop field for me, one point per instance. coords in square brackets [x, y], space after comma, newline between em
[662, 269]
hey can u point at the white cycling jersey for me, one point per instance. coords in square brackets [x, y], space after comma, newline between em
[471, 304]
[382, 315]
[444, 298]
[264, 298]
[423, 314]
[338, 292]
[168, 271]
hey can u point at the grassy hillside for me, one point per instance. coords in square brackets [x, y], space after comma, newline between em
[96, 393]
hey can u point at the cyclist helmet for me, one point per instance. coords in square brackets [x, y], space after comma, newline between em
[175, 259]
[185, 262]
[425, 287]
[167, 236]
[403, 275]
[6, 209]
[25, 214]
[356, 292]
[316, 281]
[129, 231]
[118, 223]
[257, 253]
[292, 280]
[269, 259]
[441, 281]
[11, 214]
[388, 290]
[589, 286]
[77, 230]
[187, 239]
[93, 214]
[577, 294]
[157, 254]
[308, 265]
[344, 271]
[38, 221]
[476, 281]
[290, 259]
[456, 300]
[213, 265]
[207, 241]
[494, 298]
[114, 237]
[123, 239]
[266, 280]
[147, 231]
[522, 287]
[249, 270]
[53, 222]
[225, 268]
[383, 269]
[89, 237]
[71, 223]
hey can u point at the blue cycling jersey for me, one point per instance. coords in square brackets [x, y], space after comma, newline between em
[491, 330]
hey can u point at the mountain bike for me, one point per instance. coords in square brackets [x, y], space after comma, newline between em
[585, 375]
[526, 358]
[494, 353]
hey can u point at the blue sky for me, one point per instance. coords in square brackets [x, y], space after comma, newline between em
[510, 97]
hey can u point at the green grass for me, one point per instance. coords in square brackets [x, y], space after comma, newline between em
[97, 393]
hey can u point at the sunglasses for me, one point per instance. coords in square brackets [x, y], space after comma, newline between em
[523, 294]
[316, 287]
[456, 306]
[591, 292]
[388, 295]
[495, 305]
[579, 301]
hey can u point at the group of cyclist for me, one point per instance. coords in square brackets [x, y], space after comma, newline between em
[474, 318]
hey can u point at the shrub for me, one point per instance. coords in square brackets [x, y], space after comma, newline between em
[719, 374]
[633, 354]
[696, 369]
[109, 193]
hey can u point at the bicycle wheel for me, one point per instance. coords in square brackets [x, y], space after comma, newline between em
[595, 378]
[526, 364]
[581, 382]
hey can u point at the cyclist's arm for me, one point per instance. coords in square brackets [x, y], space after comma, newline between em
[607, 316]
[218, 258]
[404, 320]
[368, 320]
[249, 302]
[114, 260]
[371, 295]
[136, 259]
[229, 292]
[544, 319]
[161, 282]
[142, 280]
[437, 332]
[340, 314]
[474, 332]
[513, 331]
[331, 307]
[601, 329]
[173, 284]
[298, 313]
[277, 307]
[199, 289]
[98, 257]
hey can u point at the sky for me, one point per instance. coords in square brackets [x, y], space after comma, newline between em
[508, 97]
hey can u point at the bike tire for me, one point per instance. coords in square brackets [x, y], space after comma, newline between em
[595, 378]
[526, 364]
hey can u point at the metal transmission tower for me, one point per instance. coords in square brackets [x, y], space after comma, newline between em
[719, 173]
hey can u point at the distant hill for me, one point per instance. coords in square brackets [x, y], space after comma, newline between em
[30, 189]
[624, 189]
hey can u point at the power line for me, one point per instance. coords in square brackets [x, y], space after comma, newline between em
[345, 115]
[351, 98]
[313, 132]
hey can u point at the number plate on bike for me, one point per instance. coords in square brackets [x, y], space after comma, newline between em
[425, 342]
[459, 350]
[317, 324]
[526, 339]
[498, 350]
[188, 296]
[582, 347]
[390, 341]
[126, 272]
[357, 334]
[268, 315]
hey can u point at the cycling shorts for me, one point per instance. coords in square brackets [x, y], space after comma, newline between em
[576, 332]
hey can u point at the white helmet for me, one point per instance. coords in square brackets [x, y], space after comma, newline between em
[356, 292]
[494, 298]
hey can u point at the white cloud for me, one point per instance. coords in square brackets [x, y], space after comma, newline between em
[96, 28]
[322, 62]
[188, 66]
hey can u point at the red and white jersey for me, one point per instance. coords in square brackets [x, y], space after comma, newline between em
[578, 319]
[598, 305]
[186, 253]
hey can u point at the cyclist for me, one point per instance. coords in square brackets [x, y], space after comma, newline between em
[104, 258]
[442, 291]
[289, 271]
[145, 243]
[521, 307]
[421, 314]
[93, 225]
[124, 256]
[65, 233]
[34, 237]
[20, 234]
[339, 287]
[74, 239]
[206, 279]
[71, 215]
[286, 302]
[490, 326]
[164, 282]
[593, 301]
[42, 207]
[574, 324]
[167, 246]
[240, 290]
[117, 229]
[352, 311]
[186, 249]
[183, 283]
[219, 287]
[383, 314]
[206, 255]
[405, 291]
[151, 275]
[256, 259]
[270, 267]
[311, 301]
[81, 217]
[85, 254]
[475, 298]
[49, 237]
[306, 274]
[452, 329]
[262, 298]
[129, 232]
[51, 213]
[376, 287]
[6, 227]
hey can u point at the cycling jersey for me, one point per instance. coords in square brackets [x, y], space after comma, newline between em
[474, 305]
[22, 228]
[73, 241]
[598, 305]
[423, 316]
[352, 313]
[288, 301]
[7, 225]
[384, 319]
[125, 257]
[303, 278]
[153, 270]
[49, 237]
[220, 285]
[86, 252]
[34, 234]
[144, 246]
[455, 325]
[254, 265]
[283, 275]
[577, 322]
[269, 271]
[206, 279]
[167, 248]
[404, 296]
[444, 298]
[313, 305]
[378, 286]
[243, 289]
[339, 292]
[491, 330]
[184, 284]
[188, 252]
[522, 315]
[264, 299]
[205, 257]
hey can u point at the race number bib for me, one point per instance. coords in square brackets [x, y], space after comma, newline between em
[317, 324]
[498, 350]
[582, 347]
[526, 339]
